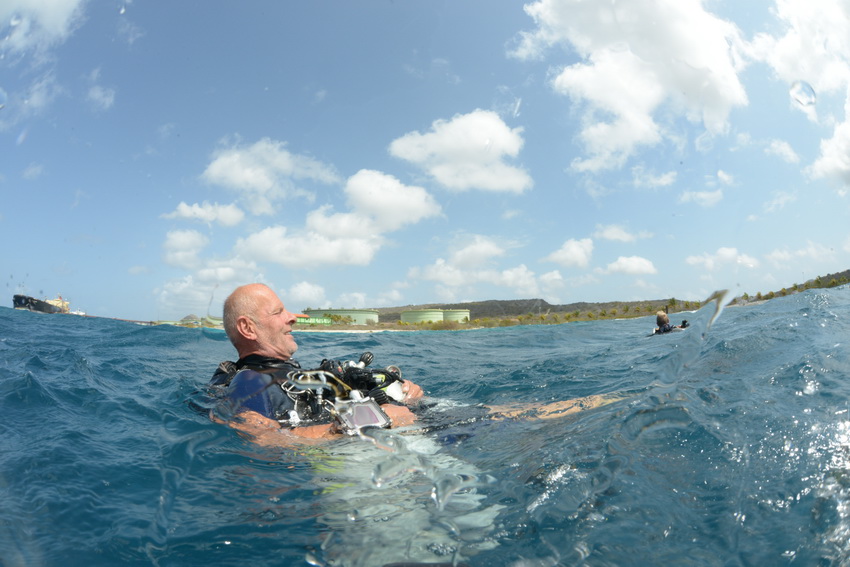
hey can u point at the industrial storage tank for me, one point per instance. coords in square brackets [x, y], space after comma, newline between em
[357, 316]
[456, 315]
[422, 316]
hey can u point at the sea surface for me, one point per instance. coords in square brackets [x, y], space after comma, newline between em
[724, 444]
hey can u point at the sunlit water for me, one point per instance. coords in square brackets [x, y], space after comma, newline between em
[731, 446]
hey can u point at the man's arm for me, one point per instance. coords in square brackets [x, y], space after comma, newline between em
[553, 410]
[268, 432]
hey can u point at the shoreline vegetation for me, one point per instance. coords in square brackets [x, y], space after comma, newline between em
[508, 313]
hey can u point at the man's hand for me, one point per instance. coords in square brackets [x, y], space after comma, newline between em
[412, 392]
[400, 415]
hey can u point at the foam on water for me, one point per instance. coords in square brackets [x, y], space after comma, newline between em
[726, 444]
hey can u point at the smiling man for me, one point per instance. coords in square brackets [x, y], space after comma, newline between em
[267, 404]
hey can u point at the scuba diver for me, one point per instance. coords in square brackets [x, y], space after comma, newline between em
[277, 402]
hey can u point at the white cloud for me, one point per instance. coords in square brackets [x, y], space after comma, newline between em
[632, 265]
[643, 178]
[477, 253]
[225, 215]
[702, 198]
[450, 278]
[380, 203]
[779, 202]
[308, 295]
[573, 253]
[38, 25]
[783, 150]
[617, 232]
[723, 257]
[812, 253]
[467, 152]
[813, 52]
[624, 78]
[265, 173]
[101, 97]
[552, 282]
[387, 202]
[352, 300]
[814, 45]
[725, 178]
[182, 247]
[309, 248]
[834, 160]
[33, 171]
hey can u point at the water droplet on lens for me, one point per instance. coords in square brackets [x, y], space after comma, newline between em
[803, 94]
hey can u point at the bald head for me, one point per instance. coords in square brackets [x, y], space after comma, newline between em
[256, 322]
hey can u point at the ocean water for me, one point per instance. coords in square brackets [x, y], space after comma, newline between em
[725, 444]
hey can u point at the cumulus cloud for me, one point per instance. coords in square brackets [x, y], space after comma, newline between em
[308, 248]
[725, 256]
[479, 252]
[225, 215]
[643, 178]
[725, 178]
[834, 160]
[101, 97]
[813, 47]
[451, 279]
[573, 253]
[813, 51]
[380, 204]
[631, 265]
[308, 295]
[38, 26]
[811, 253]
[472, 262]
[181, 248]
[702, 198]
[467, 152]
[623, 79]
[618, 233]
[387, 202]
[265, 173]
[779, 201]
[783, 150]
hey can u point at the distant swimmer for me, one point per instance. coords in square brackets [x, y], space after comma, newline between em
[664, 326]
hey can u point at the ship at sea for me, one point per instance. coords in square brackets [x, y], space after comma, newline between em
[57, 305]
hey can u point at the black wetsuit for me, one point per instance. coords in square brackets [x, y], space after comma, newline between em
[665, 328]
[259, 384]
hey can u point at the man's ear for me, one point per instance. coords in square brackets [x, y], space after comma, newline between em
[246, 327]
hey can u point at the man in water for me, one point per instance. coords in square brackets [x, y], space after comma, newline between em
[260, 328]
[664, 326]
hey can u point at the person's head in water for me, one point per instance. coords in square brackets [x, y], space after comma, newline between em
[256, 322]
[661, 319]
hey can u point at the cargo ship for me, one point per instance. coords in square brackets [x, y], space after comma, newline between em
[57, 305]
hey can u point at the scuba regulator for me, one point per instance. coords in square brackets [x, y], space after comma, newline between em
[358, 391]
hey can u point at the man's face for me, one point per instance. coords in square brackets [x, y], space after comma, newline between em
[274, 328]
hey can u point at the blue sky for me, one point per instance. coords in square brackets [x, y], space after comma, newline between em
[154, 155]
